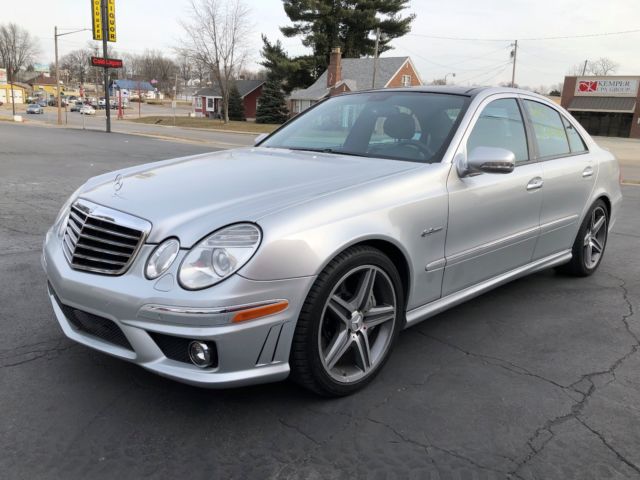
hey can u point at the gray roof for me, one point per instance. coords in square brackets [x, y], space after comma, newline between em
[134, 85]
[357, 74]
[603, 104]
[244, 87]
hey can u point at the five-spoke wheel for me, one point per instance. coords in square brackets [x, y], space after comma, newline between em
[348, 323]
[357, 323]
[590, 242]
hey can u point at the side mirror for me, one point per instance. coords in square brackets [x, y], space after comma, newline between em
[260, 138]
[488, 160]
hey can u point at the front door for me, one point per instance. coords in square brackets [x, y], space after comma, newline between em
[493, 218]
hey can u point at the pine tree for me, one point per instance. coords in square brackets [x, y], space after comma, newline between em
[272, 107]
[236, 105]
[348, 24]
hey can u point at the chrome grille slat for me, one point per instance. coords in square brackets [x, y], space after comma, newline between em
[97, 259]
[102, 250]
[76, 217]
[101, 240]
[110, 232]
[108, 242]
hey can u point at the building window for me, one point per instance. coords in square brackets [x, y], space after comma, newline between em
[209, 103]
[406, 80]
[198, 102]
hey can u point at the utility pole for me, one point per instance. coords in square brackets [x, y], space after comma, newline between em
[55, 36]
[13, 101]
[375, 58]
[105, 36]
[584, 69]
[514, 54]
[55, 41]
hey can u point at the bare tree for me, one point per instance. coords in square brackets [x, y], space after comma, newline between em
[216, 36]
[17, 48]
[578, 69]
[77, 63]
[603, 66]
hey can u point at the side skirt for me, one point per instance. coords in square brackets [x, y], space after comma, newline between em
[422, 313]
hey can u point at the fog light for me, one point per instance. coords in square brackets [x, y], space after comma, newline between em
[200, 354]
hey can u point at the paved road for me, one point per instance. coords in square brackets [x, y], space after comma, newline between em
[539, 379]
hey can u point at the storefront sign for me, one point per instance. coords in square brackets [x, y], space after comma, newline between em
[607, 87]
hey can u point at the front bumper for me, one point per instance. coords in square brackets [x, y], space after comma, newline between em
[256, 351]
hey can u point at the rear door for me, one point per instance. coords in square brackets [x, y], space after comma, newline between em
[569, 172]
[493, 218]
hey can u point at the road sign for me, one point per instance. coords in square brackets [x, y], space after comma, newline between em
[111, 20]
[106, 62]
[96, 19]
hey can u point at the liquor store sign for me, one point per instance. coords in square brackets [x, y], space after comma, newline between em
[607, 87]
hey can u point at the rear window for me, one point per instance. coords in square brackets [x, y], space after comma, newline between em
[548, 129]
[575, 140]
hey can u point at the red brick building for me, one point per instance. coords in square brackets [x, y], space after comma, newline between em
[354, 74]
[207, 102]
[605, 106]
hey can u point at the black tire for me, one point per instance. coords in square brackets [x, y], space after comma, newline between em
[307, 367]
[579, 266]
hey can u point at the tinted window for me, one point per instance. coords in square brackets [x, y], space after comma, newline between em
[412, 126]
[548, 129]
[575, 140]
[500, 125]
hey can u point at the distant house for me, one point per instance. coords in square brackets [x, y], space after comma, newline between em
[130, 89]
[354, 74]
[207, 102]
[45, 86]
[20, 93]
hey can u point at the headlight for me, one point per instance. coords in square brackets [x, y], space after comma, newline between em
[219, 255]
[61, 219]
[161, 258]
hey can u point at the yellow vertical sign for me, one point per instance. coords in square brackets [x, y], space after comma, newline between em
[111, 20]
[96, 19]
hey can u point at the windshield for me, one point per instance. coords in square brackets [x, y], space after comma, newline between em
[414, 126]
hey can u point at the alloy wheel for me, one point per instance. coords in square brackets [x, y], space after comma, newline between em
[357, 324]
[595, 238]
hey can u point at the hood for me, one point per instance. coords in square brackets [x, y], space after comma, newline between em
[193, 196]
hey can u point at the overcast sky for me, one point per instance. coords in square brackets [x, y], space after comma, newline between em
[146, 24]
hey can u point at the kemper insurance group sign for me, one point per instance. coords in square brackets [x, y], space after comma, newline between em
[607, 87]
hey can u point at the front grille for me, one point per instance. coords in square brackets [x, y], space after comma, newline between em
[102, 240]
[177, 348]
[94, 325]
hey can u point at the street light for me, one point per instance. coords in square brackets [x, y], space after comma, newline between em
[445, 77]
[55, 39]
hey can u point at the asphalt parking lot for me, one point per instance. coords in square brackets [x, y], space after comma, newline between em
[539, 379]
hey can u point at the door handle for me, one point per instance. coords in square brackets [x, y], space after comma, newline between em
[587, 172]
[535, 183]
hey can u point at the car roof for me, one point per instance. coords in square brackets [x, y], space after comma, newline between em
[458, 90]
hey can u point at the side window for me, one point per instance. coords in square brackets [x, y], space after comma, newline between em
[575, 140]
[500, 125]
[548, 129]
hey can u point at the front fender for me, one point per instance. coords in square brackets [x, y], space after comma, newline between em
[302, 240]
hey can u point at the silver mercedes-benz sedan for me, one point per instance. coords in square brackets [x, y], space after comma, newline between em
[305, 255]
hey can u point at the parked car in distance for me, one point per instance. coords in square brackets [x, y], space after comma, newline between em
[76, 106]
[102, 102]
[87, 110]
[42, 102]
[34, 108]
[308, 253]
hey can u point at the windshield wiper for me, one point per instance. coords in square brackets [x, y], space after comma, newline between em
[329, 150]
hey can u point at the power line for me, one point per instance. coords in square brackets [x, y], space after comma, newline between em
[529, 39]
